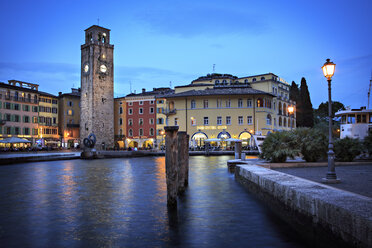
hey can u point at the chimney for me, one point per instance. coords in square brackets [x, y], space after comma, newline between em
[143, 90]
[59, 93]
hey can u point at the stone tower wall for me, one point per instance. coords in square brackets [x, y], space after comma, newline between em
[97, 92]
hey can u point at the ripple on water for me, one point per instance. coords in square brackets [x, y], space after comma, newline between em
[122, 203]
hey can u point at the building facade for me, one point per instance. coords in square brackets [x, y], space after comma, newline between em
[69, 118]
[19, 103]
[97, 87]
[48, 120]
[120, 122]
[222, 106]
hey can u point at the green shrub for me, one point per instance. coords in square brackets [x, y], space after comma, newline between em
[347, 149]
[312, 142]
[278, 146]
[367, 143]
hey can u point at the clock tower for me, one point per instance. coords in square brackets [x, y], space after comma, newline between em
[97, 87]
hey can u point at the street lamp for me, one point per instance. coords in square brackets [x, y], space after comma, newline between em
[291, 111]
[328, 71]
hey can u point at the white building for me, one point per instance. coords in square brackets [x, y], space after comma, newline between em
[355, 123]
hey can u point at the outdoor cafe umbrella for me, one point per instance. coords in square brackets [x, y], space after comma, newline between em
[233, 140]
[212, 140]
[14, 140]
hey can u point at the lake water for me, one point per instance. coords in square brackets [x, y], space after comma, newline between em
[122, 203]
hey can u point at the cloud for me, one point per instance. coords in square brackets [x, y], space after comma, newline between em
[56, 77]
[51, 77]
[190, 19]
[135, 78]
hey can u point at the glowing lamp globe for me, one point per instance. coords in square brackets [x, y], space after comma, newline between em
[328, 69]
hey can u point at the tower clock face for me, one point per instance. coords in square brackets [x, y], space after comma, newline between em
[103, 68]
[86, 68]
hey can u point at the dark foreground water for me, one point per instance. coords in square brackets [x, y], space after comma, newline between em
[122, 203]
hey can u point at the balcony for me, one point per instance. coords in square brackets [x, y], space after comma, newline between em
[169, 112]
[73, 125]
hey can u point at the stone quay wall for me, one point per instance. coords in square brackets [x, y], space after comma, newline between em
[326, 216]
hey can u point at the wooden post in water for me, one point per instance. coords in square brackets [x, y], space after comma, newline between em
[171, 165]
[183, 161]
[238, 149]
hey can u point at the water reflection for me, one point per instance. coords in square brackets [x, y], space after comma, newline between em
[122, 203]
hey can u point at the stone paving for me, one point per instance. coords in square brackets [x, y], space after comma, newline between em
[356, 178]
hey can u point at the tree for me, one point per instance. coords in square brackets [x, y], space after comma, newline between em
[306, 108]
[321, 114]
[294, 95]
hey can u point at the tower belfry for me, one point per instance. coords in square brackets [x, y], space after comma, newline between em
[97, 87]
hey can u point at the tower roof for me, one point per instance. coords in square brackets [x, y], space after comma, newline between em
[97, 27]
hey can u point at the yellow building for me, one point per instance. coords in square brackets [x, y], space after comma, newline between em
[222, 106]
[69, 118]
[120, 122]
[48, 120]
[161, 118]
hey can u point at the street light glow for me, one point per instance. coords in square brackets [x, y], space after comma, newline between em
[328, 69]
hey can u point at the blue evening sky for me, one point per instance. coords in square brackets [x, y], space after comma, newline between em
[158, 42]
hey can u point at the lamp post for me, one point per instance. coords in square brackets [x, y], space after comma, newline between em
[328, 71]
[290, 111]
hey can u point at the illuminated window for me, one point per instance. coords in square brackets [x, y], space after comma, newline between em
[70, 112]
[193, 121]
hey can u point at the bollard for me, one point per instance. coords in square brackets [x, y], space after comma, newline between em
[171, 165]
[183, 161]
[238, 149]
[243, 156]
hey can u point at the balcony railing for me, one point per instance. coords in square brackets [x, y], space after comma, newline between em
[72, 125]
[169, 112]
